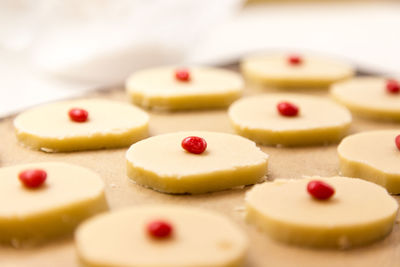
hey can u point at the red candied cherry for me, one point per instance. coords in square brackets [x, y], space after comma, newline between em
[287, 109]
[392, 86]
[194, 144]
[294, 59]
[159, 229]
[397, 141]
[78, 114]
[320, 190]
[182, 75]
[32, 178]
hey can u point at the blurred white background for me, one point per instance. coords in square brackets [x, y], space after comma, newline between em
[52, 49]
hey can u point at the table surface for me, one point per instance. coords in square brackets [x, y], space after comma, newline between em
[121, 192]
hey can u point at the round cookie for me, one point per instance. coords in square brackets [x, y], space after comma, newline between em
[372, 156]
[199, 238]
[206, 87]
[280, 70]
[318, 121]
[161, 163]
[358, 213]
[368, 97]
[109, 124]
[69, 195]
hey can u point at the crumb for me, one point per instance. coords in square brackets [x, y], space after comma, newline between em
[343, 242]
[239, 208]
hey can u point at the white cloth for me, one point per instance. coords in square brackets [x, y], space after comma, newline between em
[59, 49]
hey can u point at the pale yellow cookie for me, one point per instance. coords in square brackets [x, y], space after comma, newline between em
[109, 124]
[162, 164]
[69, 195]
[372, 156]
[318, 121]
[358, 213]
[368, 97]
[313, 71]
[198, 238]
[207, 87]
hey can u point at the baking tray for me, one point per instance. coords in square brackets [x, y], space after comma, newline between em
[122, 192]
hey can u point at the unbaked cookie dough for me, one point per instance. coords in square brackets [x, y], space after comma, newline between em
[312, 72]
[69, 195]
[372, 156]
[161, 163]
[199, 238]
[319, 121]
[207, 87]
[358, 213]
[110, 124]
[368, 97]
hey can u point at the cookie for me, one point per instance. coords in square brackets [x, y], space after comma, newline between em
[161, 236]
[289, 119]
[169, 88]
[81, 125]
[373, 156]
[336, 212]
[41, 201]
[295, 71]
[195, 162]
[370, 97]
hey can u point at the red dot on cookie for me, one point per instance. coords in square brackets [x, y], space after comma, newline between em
[182, 75]
[392, 86]
[32, 178]
[287, 109]
[78, 114]
[320, 190]
[194, 144]
[294, 59]
[397, 141]
[159, 229]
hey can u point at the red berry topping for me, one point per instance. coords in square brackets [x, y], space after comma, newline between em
[287, 109]
[159, 229]
[397, 140]
[78, 114]
[32, 178]
[182, 75]
[194, 144]
[392, 86]
[320, 190]
[295, 60]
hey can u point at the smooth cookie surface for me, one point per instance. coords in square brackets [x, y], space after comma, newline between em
[319, 120]
[199, 238]
[359, 212]
[161, 163]
[110, 124]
